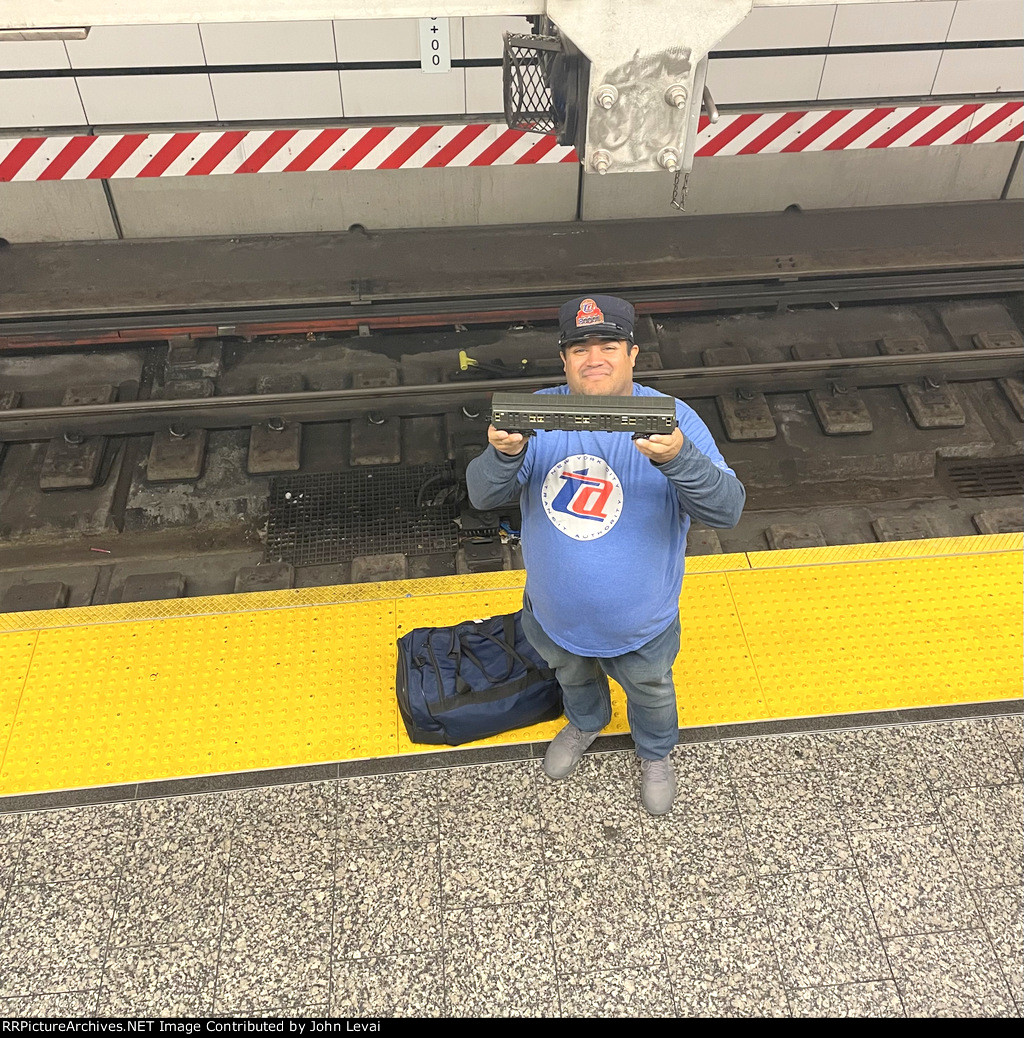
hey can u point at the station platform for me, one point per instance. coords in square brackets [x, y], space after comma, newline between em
[103, 697]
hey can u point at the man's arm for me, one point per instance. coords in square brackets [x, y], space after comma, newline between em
[491, 477]
[706, 492]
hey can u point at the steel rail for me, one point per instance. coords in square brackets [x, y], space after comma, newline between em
[230, 412]
[18, 330]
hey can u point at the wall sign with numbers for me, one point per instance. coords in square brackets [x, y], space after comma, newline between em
[435, 45]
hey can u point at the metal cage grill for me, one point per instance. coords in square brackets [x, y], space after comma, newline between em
[527, 63]
[332, 517]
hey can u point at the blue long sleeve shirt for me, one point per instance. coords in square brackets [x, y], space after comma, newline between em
[604, 529]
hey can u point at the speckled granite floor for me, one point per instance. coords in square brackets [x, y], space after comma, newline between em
[875, 872]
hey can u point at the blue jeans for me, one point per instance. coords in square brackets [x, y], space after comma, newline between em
[644, 674]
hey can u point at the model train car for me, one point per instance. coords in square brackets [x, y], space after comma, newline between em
[526, 412]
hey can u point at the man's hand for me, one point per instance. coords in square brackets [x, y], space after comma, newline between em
[507, 443]
[660, 448]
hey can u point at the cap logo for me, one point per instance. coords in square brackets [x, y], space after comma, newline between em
[589, 313]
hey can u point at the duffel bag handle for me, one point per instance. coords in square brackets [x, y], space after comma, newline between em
[508, 627]
[456, 650]
[507, 646]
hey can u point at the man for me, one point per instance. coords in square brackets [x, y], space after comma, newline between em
[604, 536]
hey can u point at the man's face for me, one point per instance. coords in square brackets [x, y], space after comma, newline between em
[597, 367]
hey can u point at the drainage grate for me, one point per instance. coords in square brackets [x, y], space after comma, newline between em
[995, 478]
[335, 516]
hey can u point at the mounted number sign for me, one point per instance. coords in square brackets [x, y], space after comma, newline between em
[435, 45]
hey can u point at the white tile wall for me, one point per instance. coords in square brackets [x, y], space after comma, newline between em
[39, 103]
[980, 71]
[148, 99]
[386, 93]
[33, 54]
[782, 27]
[756, 80]
[484, 91]
[921, 21]
[137, 46]
[231, 43]
[878, 75]
[483, 35]
[406, 93]
[277, 95]
[387, 39]
[987, 20]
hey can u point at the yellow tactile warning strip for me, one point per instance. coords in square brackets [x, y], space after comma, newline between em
[905, 633]
[115, 694]
[931, 547]
[15, 657]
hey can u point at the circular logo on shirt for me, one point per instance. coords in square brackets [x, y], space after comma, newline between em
[582, 497]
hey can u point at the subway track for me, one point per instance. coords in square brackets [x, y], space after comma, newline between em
[785, 291]
[227, 412]
[176, 459]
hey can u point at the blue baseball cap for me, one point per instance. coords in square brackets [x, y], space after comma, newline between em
[584, 316]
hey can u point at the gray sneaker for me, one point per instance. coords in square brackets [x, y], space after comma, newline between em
[565, 751]
[657, 785]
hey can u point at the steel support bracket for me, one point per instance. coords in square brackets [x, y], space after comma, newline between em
[647, 65]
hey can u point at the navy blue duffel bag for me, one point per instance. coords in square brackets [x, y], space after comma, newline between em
[476, 679]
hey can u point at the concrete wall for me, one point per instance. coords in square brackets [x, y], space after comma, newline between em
[1015, 187]
[281, 203]
[298, 202]
[74, 210]
[278, 203]
[812, 180]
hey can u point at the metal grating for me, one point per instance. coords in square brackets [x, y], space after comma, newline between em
[526, 65]
[333, 517]
[997, 477]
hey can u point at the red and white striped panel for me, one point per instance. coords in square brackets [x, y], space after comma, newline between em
[844, 129]
[273, 151]
[423, 147]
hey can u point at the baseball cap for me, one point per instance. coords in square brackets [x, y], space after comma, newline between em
[584, 316]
